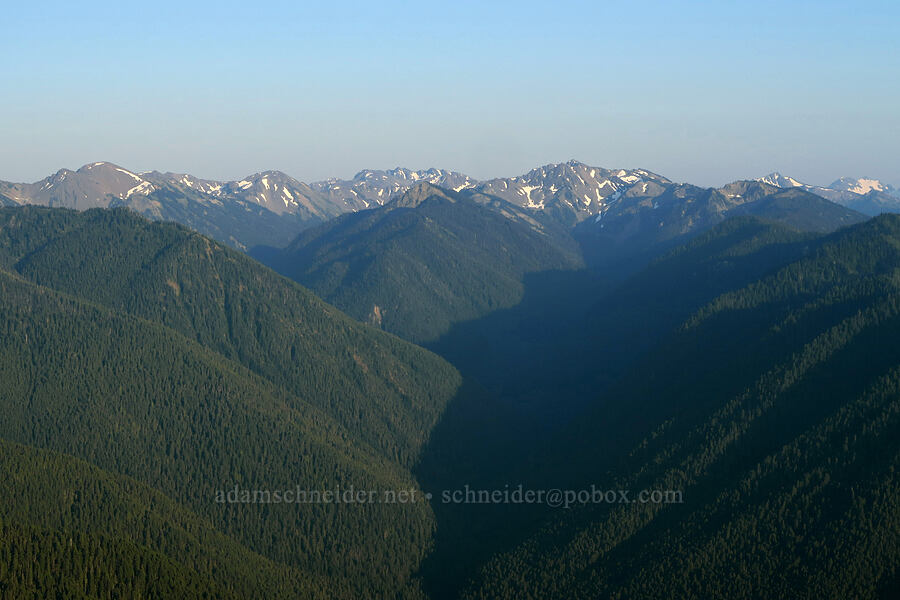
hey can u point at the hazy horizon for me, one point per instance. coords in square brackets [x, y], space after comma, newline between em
[698, 93]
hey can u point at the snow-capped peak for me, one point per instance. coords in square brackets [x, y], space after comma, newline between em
[860, 186]
[782, 181]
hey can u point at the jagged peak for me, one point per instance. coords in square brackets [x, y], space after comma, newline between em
[780, 180]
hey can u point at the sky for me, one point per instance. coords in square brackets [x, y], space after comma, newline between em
[702, 92]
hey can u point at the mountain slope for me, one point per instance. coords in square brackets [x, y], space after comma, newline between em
[239, 223]
[426, 260]
[546, 361]
[874, 203]
[154, 353]
[139, 400]
[222, 299]
[643, 224]
[69, 517]
[774, 411]
[800, 210]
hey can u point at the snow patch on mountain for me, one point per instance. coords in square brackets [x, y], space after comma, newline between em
[144, 188]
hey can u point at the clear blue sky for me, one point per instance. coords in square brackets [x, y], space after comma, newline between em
[705, 92]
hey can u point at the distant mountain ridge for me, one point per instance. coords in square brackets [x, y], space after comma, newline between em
[868, 196]
[267, 207]
[94, 185]
[102, 184]
[570, 191]
[271, 208]
[572, 187]
[648, 218]
[370, 188]
[859, 186]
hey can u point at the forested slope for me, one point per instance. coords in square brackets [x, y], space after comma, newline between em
[383, 390]
[774, 410]
[154, 354]
[428, 260]
[77, 531]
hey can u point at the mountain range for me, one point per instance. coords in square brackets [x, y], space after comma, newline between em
[868, 196]
[271, 208]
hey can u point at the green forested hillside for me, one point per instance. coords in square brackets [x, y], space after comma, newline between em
[428, 260]
[799, 209]
[669, 289]
[76, 531]
[191, 369]
[383, 390]
[774, 409]
[556, 355]
[573, 332]
[137, 399]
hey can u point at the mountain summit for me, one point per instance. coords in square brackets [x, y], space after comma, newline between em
[863, 186]
[782, 181]
[95, 185]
